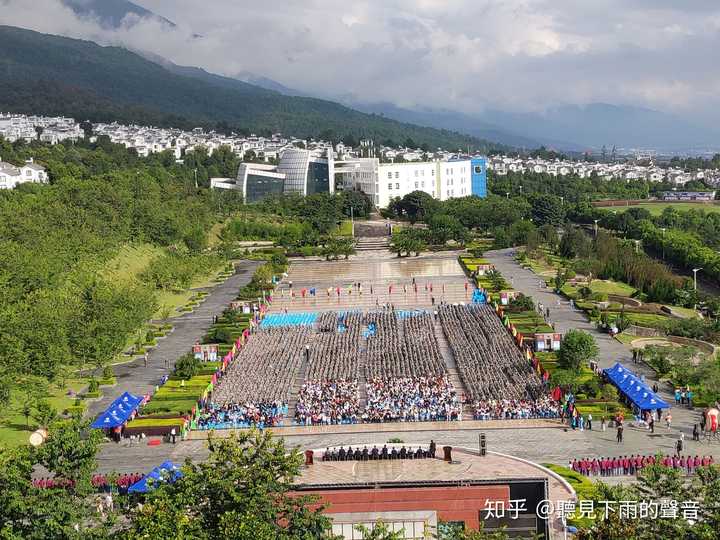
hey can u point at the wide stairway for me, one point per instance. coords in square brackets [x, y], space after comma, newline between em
[452, 369]
[376, 243]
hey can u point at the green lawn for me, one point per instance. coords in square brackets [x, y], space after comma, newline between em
[657, 208]
[649, 320]
[625, 339]
[601, 286]
[687, 313]
[345, 228]
[13, 430]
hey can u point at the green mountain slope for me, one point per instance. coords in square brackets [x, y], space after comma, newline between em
[50, 74]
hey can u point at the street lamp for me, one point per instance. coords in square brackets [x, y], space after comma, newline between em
[695, 271]
[596, 227]
[507, 194]
[663, 242]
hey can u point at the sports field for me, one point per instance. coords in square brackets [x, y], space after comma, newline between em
[657, 208]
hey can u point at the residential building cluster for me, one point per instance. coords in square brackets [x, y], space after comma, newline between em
[49, 129]
[502, 165]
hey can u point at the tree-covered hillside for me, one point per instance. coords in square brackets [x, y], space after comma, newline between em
[46, 74]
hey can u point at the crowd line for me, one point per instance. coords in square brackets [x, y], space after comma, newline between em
[507, 409]
[631, 465]
[376, 453]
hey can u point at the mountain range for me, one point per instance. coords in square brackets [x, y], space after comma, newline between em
[570, 128]
[48, 74]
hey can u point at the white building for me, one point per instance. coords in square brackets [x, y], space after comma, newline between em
[12, 175]
[306, 172]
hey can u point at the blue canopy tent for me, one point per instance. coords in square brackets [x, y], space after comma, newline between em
[119, 411]
[634, 388]
[167, 472]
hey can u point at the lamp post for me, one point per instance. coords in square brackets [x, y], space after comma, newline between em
[507, 194]
[695, 271]
[663, 243]
[596, 227]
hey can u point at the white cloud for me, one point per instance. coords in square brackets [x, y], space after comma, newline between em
[461, 54]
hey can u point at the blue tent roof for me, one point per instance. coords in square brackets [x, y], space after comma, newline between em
[167, 472]
[636, 390]
[119, 411]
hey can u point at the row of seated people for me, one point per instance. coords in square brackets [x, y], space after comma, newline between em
[631, 465]
[411, 399]
[328, 402]
[238, 415]
[376, 453]
[511, 409]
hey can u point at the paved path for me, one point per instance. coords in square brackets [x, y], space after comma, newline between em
[565, 318]
[136, 378]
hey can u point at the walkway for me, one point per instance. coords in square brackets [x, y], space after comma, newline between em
[136, 378]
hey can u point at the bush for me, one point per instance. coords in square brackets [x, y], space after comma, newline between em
[591, 388]
[75, 410]
[187, 366]
[577, 347]
[108, 372]
[91, 395]
[599, 297]
[93, 386]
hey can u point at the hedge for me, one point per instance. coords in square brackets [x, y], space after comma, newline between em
[155, 422]
[75, 409]
[179, 406]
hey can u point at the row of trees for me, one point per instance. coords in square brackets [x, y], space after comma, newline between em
[686, 239]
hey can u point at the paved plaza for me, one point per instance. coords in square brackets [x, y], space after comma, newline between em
[385, 279]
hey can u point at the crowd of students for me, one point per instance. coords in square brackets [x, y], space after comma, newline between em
[507, 409]
[631, 465]
[411, 399]
[235, 415]
[490, 363]
[328, 402]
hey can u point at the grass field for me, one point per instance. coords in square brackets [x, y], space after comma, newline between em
[601, 286]
[133, 259]
[345, 228]
[13, 428]
[657, 208]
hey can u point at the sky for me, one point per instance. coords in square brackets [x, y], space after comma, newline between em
[465, 55]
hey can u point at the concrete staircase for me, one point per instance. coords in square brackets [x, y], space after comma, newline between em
[453, 373]
[379, 243]
[295, 392]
